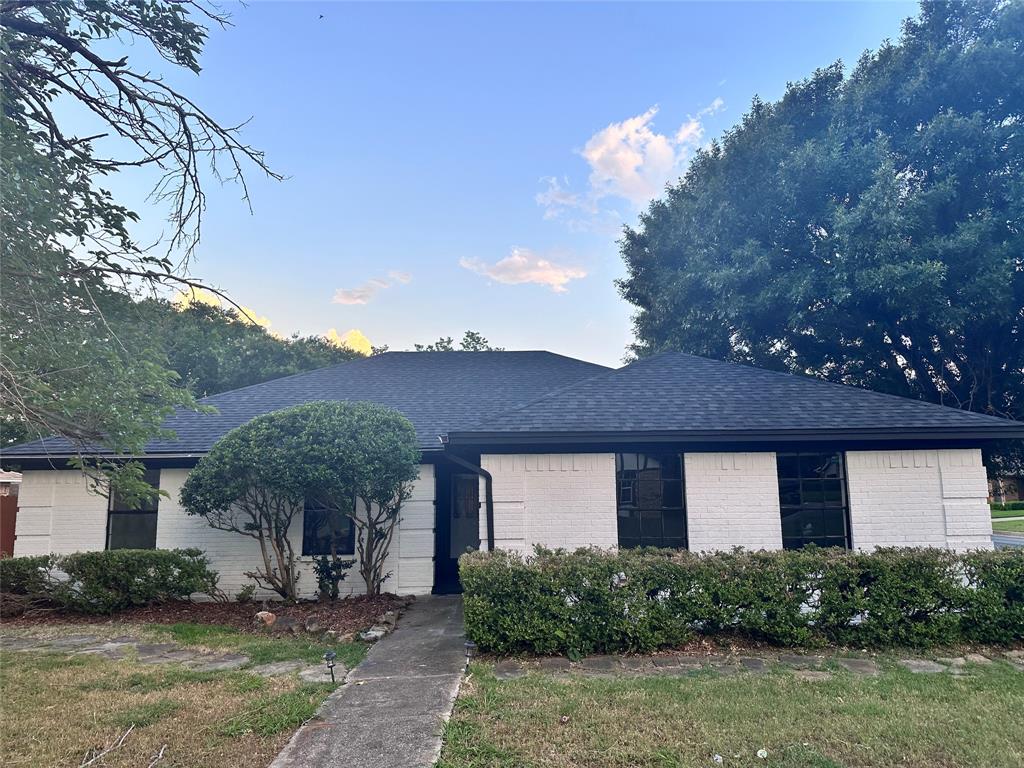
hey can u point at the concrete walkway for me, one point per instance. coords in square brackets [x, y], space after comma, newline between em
[390, 712]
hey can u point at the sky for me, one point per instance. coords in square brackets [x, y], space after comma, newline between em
[461, 166]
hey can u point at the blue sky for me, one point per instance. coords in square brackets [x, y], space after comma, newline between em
[469, 166]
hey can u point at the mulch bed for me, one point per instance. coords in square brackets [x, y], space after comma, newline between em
[347, 615]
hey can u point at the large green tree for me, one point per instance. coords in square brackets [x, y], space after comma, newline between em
[866, 229]
[73, 361]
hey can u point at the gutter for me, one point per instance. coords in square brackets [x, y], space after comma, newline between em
[488, 493]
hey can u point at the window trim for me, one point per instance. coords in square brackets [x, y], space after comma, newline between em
[155, 512]
[843, 486]
[350, 548]
[634, 504]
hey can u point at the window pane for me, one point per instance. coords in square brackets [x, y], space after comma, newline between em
[132, 530]
[322, 527]
[117, 504]
[672, 494]
[789, 492]
[813, 508]
[789, 465]
[644, 493]
[832, 491]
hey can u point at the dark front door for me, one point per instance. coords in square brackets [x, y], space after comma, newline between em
[458, 526]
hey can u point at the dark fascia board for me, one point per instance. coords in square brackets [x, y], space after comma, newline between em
[753, 437]
[55, 461]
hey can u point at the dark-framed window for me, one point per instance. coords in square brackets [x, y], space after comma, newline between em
[318, 534]
[133, 525]
[813, 499]
[650, 500]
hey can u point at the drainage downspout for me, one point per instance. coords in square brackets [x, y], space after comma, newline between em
[488, 494]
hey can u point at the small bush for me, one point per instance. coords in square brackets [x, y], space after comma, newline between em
[590, 601]
[1008, 506]
[108, 581]
[25, 575]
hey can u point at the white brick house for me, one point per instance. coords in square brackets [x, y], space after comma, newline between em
[528, 448]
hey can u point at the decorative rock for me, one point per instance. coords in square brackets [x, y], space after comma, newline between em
[811, 675]
[77, 641]
[172, 657]
[285, 624]
[956, 662]
[389, 620]
[1015, 655]
[266, 618]
[319, 673]
[219, 663]
[148, 650]
[922, 666]
[508, 669]
[752, 664]
[313, 626]
[635, 663]
[601, 664]
[977, 658]
[798, 661]
[276, 668]
[862, 667]
[373, 634]
[554, 664]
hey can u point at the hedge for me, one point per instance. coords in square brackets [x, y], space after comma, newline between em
[593, 601]
[1007, 506]
[108, 581]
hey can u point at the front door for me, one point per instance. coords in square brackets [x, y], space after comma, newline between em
[458, 529]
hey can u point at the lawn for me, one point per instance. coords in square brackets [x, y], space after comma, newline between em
[58, 708]
[896, 719]
[998, 513]
[1008, 526]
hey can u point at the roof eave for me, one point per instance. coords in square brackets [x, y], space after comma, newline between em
[886, 435]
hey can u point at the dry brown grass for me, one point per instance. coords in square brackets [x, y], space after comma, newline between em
[58, 710]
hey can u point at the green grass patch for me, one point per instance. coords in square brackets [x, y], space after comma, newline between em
[261, 649]
[895, 719]
[1009, 526]
[145, 714]
[269, 715]
[998, 513]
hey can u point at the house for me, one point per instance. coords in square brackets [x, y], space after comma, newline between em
[528, 448]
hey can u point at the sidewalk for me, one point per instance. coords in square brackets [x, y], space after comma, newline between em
[391, 709]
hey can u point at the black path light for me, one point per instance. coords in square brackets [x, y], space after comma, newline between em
[329, 657]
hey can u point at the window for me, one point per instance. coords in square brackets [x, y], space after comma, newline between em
[317, 535]
[649, 490]
[812, 497]
[133, 526]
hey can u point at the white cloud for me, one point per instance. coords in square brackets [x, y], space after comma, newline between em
[364, 293]
[525, 266]
[629, 160]
[353, 339]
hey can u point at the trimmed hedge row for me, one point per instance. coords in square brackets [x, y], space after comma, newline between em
[108, 581]
[592, 601]
[1006, 506]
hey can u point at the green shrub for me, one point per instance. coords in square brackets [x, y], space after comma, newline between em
[111, 580]
[590, 601]
[1008, 505]
[25, 575]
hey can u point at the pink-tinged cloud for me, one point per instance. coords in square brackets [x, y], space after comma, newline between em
[364, 293]
[525, 266]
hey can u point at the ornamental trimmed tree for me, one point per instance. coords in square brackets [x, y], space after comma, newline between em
[353, 459]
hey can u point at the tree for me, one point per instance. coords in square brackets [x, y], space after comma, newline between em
[349, 459]
[472, 341]
[68, 348]
[867, 230]
[215, 350]
[369, 459]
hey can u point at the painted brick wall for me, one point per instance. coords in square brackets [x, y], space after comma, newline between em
[732, 500]
[552, 499]
[919, 498]
[59, 515]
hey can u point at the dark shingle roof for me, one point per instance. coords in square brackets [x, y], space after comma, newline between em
[679, 393]
[437, 391]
